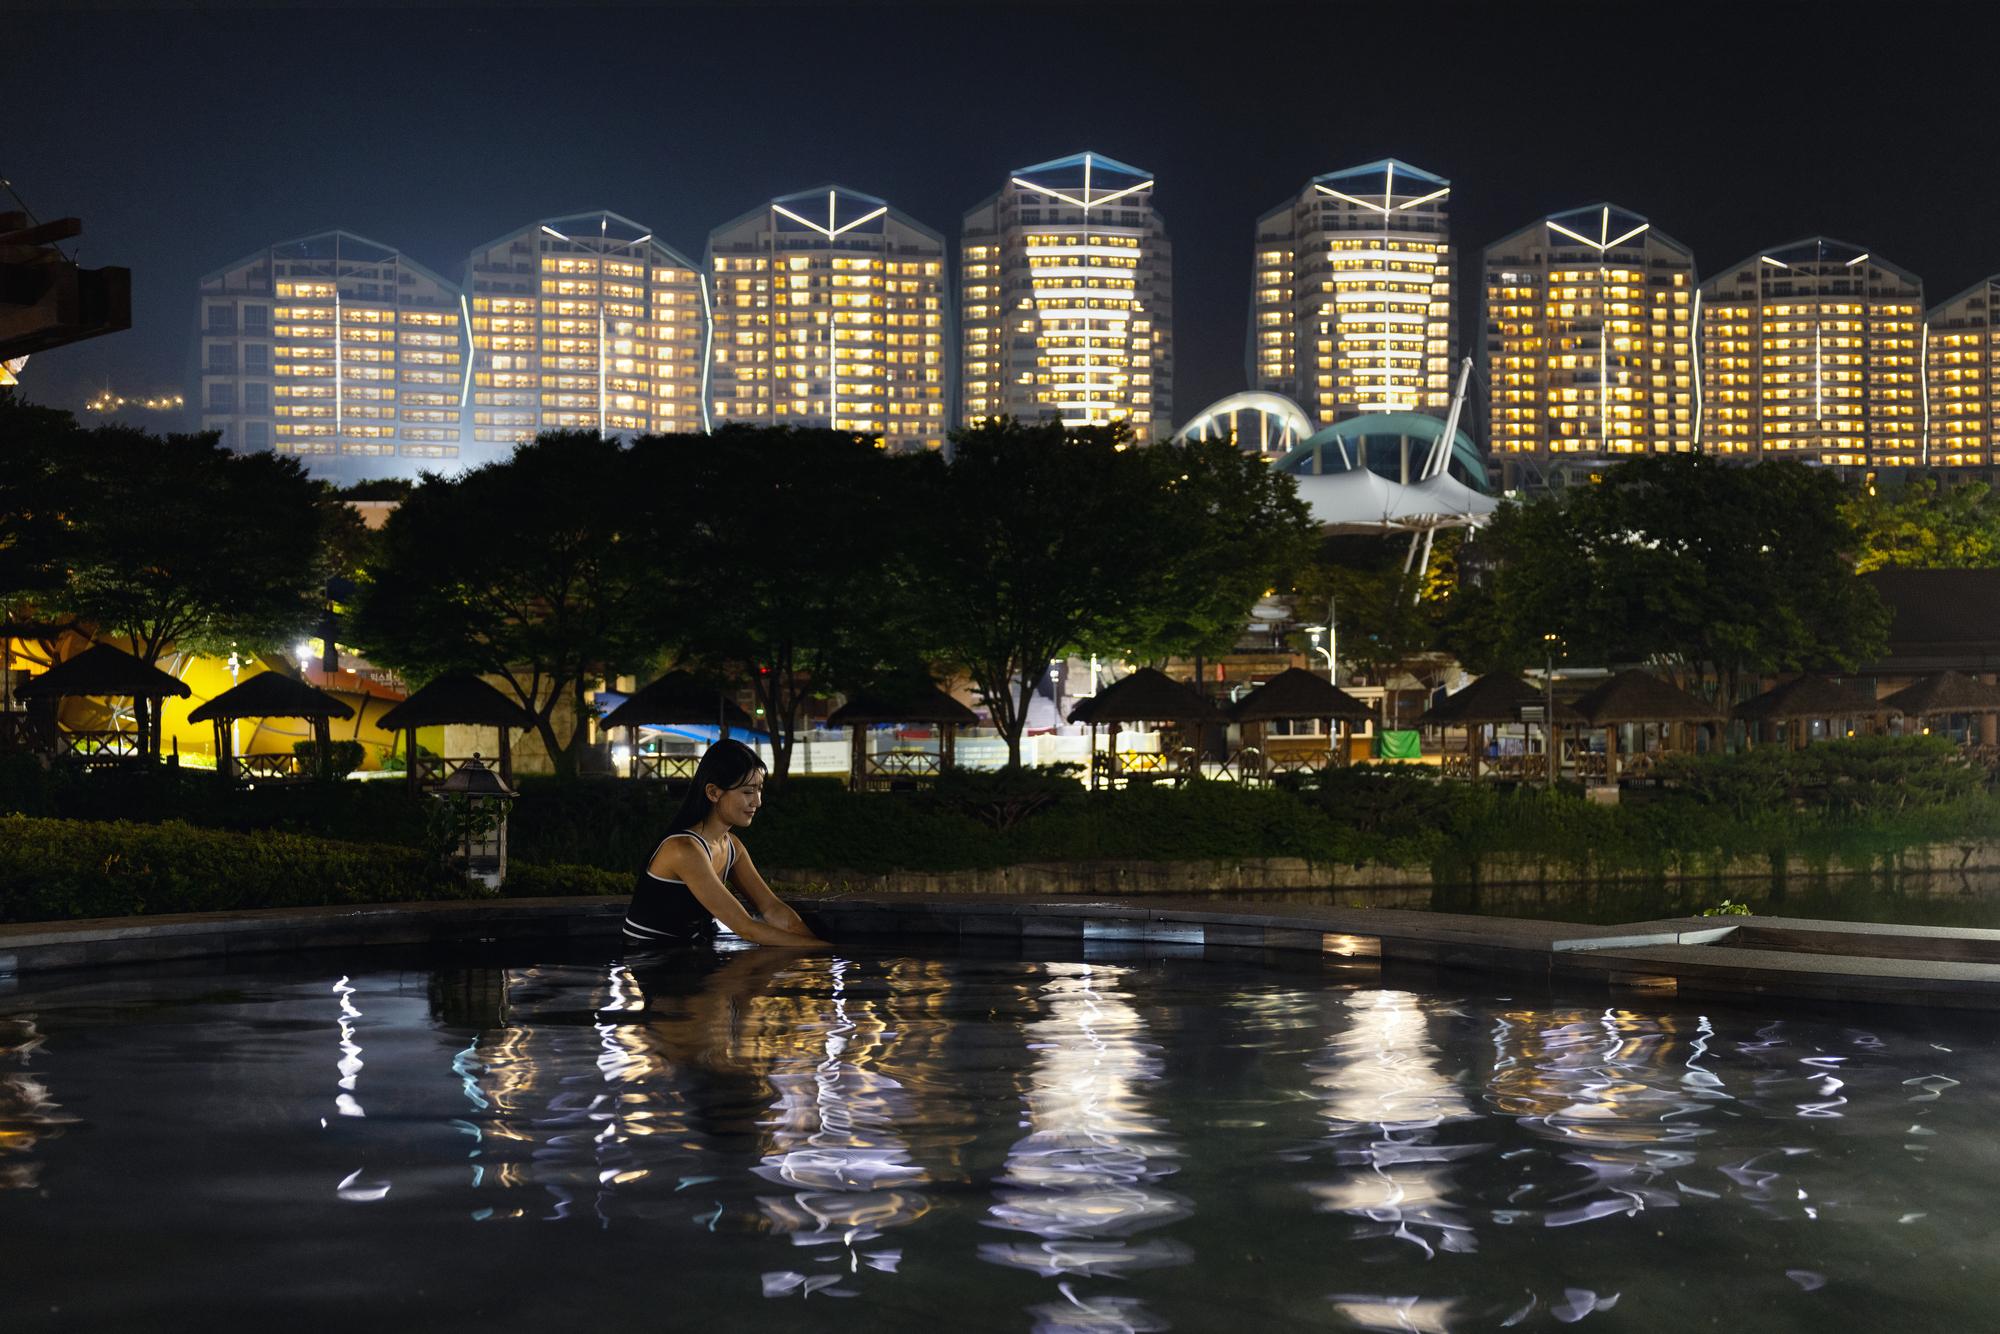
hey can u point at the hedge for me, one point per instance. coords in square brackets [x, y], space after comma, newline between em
[88, 868]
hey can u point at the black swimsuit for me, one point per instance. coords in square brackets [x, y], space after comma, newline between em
[666, 912]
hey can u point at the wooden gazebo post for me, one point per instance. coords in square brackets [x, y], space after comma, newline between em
[411, 776]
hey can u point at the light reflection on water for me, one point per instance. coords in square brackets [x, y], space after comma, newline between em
[1024, 1143]
[1082, 1182]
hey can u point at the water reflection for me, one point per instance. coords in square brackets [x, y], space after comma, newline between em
[834, 1141]
[29, 1114]
[1603, 1088]
[1082, 1181]
[1385, 1098]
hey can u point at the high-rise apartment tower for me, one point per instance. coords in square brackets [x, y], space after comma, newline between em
[1351, 307]
[1066, 288]
[1814, 351]
[1589, 318]
[584, 323]
[829, 310]
[1962, 356]
[341, 352]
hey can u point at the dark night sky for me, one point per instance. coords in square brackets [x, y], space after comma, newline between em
[187, 137]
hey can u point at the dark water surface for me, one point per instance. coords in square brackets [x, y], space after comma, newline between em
[880, 1141]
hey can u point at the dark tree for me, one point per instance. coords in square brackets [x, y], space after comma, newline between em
[535, 571]
[791, 547]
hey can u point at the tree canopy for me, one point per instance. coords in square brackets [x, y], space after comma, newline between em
[1724, 569]
[1919, 526]
[539, 571]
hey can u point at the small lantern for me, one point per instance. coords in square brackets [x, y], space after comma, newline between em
[477, 802]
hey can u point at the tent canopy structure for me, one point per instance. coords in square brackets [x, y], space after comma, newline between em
[923, 705]
[1495, 698]
[1147, 695]
[271, 695]
[1360, 501]
[106, 672]
[1297, 693]
[1944, 693]
[1640, 697]
[676, 698]
[1810, 696]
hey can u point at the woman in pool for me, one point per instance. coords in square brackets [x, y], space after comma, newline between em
[701, 874]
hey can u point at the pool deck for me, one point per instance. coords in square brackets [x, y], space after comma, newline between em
[1871, 963]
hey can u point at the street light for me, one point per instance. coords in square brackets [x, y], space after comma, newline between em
[1550, 643]
[1314, 632]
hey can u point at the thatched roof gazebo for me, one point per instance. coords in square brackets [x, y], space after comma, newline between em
[1638, 697]
[456, 697]
[677, 699]
[1490, 701]
[1297, 694]
[268, 694]
[1146, 696]
[1943, 693]
[1808, 697]
[923, 704]
[104, 672]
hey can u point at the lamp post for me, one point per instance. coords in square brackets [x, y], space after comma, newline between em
[1549, 646]
[475, 810]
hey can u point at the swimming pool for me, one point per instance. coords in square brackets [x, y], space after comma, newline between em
[1096, 1137]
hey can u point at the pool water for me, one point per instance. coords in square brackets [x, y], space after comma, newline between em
[874, 1140]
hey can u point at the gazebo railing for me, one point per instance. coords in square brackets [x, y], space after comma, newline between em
[434, 769]
[98, 745]
[1455, 764]
[899, 768]
[15, 734]
[276, 768]
[663, 767]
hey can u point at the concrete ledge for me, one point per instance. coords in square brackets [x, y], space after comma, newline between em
[1751, 957]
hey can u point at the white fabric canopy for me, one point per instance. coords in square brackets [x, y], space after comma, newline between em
[1362, 501]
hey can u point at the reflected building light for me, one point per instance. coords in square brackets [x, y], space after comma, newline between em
[1385, 1099]
[350, 1062]
[1083, 1180]
[1399, 1315]
[1600, 1086]
[29, 1114]
[834, 1140]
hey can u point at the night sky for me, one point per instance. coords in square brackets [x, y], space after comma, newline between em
[186, 138]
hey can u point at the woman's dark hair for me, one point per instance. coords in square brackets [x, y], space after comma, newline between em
[728, 765]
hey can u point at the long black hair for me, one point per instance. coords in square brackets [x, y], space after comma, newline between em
[728, 765]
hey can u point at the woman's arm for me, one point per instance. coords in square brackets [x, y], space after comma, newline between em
[769, 906]
[682, 859]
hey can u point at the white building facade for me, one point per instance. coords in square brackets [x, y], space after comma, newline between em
[830, 310]
[1066, 297]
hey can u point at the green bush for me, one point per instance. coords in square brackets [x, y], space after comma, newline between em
[51, 869]
[341, 759]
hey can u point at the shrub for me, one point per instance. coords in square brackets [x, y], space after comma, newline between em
[341, 759]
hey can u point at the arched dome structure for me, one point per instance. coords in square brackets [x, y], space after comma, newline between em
[1267, 424]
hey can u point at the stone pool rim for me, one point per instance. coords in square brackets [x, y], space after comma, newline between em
[1754, 957]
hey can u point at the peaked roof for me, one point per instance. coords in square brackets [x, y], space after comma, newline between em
[1381, 167]
[104, 671]
[456, 697]
[271, 695]
[1640, 697]
[1816, 249]
[678, 697]
[1494, 698]
[1147, 695]
[1095, 160]
[341, 239]
[1296, 693]
[925, 705]
[1944, 692]
[1810, 696]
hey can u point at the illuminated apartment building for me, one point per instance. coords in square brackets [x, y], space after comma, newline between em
[1964, 349]
[584, 323]
[829, 310]
[1589, 321]
[1814, 351]
[1351, 295]
[337, 350]
[1066, 295]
